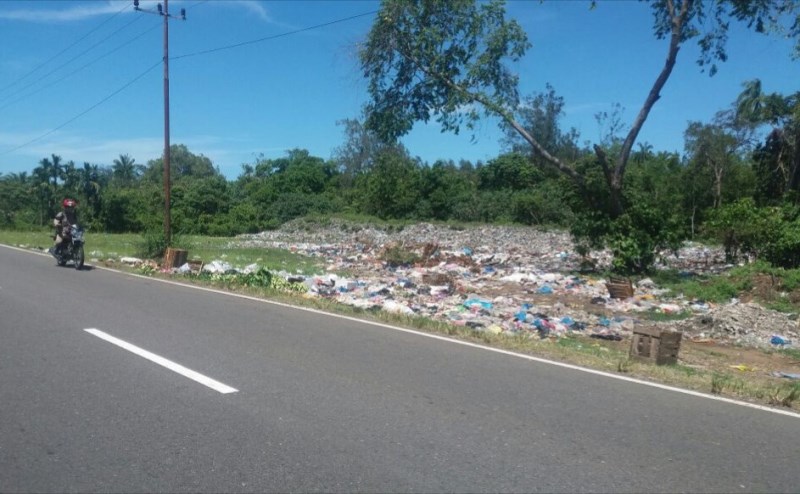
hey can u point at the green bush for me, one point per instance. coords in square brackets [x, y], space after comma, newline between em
[791, 279]
[540, 207]
[295, 205]
[740, 227]
[397, 255]
[153, 244]
[771, 233]
[635, 237]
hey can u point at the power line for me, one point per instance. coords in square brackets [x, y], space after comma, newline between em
[85, 111]
[64, 50]
[317, 26]
[237, 45]
[135, 19]
[22, 98]
[36, 91]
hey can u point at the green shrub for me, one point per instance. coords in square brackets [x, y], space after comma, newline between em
[153, 244]
[791, 279]
[398, 255]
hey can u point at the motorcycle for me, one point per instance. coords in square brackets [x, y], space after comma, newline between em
[72, 248]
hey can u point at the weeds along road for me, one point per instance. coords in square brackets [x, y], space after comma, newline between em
[240, 395]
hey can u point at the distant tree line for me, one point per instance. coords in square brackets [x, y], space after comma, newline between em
[738, 180]
[725, 186]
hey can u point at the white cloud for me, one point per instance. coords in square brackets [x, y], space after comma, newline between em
[74, 12]
[228, 154]
[77, 148]
[253, 6]
[78, 11]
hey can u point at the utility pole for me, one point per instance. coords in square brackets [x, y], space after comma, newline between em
[165, 14]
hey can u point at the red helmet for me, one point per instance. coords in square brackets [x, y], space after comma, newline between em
[69, 203]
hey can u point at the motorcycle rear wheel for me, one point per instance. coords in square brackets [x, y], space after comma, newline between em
[77, 256]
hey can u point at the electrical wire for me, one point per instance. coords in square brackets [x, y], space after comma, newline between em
[317, 26]
[36, 91]
[135, 19]
[62, 51]
[85, 111]
[244, 43]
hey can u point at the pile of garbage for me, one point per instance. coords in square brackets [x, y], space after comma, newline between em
[509, 280]
[745, 324]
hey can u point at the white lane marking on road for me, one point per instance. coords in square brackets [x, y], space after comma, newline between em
[194, 376]
[642, 382]
[664, 387]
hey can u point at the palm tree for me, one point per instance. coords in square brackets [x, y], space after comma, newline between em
[21, 177]
[45, 189]
[783, 113]
[645, 152]
[54, 168]
[90, 185]
[125, 170]
[71, 177]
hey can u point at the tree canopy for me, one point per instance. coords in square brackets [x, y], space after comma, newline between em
[447, 59]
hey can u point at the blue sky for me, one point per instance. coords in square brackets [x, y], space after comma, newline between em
[74, 78]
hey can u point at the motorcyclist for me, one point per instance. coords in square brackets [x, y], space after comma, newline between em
[62, 223]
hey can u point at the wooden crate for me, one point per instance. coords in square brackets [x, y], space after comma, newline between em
[655, 346]
[195, 266]
[619, 287]
[174, 258]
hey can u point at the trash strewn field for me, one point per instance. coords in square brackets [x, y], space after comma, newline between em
[512, 280]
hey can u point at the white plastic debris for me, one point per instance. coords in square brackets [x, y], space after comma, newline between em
[250, 268]
[217, 267]
[396, 307]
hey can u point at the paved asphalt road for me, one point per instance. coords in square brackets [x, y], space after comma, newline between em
[329, 404]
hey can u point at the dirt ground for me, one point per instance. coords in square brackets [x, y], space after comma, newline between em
[733, 360]
[727, 359]
[756, 365]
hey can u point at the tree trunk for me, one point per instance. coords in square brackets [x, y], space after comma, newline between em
[678, 21]
[717, 186]
[794, 174]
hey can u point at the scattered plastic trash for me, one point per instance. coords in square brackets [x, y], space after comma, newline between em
[218, 267]
[607, 336]
[405, 283]
[494, 329]
[396, 307]
[670, 308]
[477, 302]
[251, 268]
[487, 283]
[787, 375]
[779, 341]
